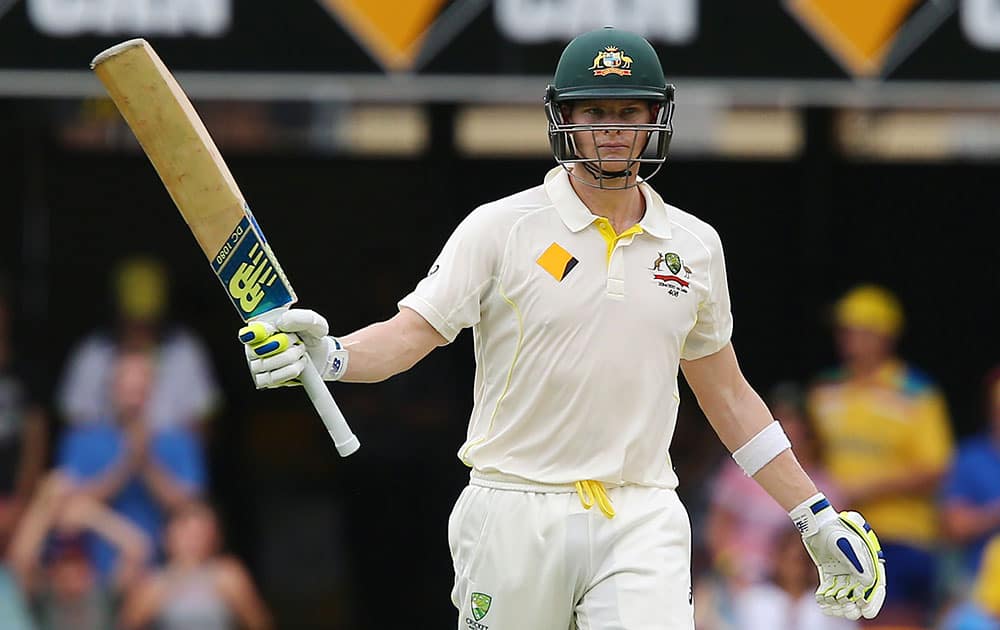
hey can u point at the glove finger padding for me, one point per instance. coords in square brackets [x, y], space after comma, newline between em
[274, 362]
[849, 558]
[256, 332]
[282, 377]
[274, 358]
[274, 345]
[874, 561]
[310, 325]
[278, 353]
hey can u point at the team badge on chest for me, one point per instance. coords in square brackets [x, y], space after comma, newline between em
[670, 272]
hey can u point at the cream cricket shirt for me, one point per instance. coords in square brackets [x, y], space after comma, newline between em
[578, 331]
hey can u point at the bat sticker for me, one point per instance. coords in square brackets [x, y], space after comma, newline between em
[246, 267]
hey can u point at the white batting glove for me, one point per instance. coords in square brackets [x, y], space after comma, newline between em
[277, 352]
[849, 558]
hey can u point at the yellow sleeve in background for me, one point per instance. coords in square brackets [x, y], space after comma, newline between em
[932, 444]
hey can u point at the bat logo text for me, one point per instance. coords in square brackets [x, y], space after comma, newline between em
[247, 284]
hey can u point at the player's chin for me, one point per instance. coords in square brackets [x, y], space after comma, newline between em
[616, 160]
[616, 165]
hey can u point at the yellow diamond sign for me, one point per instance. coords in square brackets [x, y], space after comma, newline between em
[392, 32]
[861, 34]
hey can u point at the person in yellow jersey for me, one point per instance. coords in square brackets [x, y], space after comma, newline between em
[586, 295]
[886, 439]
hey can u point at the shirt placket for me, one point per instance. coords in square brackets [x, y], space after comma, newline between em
[615, 288]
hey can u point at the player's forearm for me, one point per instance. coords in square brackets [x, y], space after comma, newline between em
[737, 414]
[377, 353]
[387, 348]
[732, 407]
[783, 477]
[786, 482]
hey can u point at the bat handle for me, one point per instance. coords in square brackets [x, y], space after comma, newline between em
[343, 438]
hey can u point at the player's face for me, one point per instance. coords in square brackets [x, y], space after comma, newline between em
[610, 144]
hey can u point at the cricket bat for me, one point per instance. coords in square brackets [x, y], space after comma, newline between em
[176, 142]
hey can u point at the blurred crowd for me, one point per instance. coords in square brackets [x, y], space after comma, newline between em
[107, 518]
[875, 435]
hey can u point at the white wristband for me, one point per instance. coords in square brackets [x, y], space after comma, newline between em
[770, 442]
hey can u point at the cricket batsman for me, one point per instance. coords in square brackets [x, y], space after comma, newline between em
[585, 295]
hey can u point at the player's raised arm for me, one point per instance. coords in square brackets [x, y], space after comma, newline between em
[369, 355]
[443, 303]
[844, 548]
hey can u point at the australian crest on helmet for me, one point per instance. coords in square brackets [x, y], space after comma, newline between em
[612, 60]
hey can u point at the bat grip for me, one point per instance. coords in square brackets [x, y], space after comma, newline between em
[343, 438]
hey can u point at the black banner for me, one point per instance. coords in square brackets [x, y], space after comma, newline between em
[797, 39]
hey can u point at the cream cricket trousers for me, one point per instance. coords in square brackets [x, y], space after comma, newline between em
[531, 557]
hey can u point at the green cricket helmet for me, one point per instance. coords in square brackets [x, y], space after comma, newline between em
[610, 64]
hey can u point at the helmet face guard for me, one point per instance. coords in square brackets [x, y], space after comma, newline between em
[611, 173]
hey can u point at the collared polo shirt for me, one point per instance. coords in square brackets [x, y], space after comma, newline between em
[578, 331]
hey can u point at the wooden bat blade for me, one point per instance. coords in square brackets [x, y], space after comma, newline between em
[177, 143]
[194, 173]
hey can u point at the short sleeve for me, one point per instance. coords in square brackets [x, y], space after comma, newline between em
[714, 326]
[450, 297]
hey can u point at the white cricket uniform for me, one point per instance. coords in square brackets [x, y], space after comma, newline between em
[578, 335]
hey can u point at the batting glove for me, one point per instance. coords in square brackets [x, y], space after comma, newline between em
[277, 352]
[849, 558]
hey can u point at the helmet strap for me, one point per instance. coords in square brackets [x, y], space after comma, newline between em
[600, 173]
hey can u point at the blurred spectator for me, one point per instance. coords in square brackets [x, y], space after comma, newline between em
[982, 610]
[746, 526]
[23, 438]
[971, 493]
[22, 432]
[885, 435]
[49, 557]
[185, 390]
[787, 601]
[141, 473]
[198, 588]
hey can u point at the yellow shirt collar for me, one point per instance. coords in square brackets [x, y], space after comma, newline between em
[577, 216]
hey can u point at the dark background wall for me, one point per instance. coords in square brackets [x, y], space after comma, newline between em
[331, 539]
